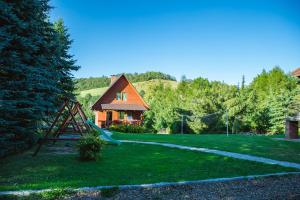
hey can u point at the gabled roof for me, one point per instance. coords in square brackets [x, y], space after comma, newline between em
[296, 72]
[96, 105]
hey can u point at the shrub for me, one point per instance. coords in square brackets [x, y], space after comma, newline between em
[90, 146]
[128, 128]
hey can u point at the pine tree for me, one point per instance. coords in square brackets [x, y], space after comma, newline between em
[29, 76]
[243, 82]
[278, 109]
[66, 61]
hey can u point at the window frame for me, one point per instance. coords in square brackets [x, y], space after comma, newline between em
[119, 96]
[124, 94]
[120, 114]
[129, 115]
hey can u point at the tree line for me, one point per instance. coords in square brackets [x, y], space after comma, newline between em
[104, 81]
[36, 67]
[260, 106]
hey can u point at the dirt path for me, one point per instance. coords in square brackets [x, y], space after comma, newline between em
[276, 187]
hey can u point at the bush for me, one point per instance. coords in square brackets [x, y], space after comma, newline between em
[128, 128]
[90, 146]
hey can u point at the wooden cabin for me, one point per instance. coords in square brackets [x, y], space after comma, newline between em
[120, 104]
[296, 72]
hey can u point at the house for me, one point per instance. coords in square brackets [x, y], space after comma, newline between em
[120, 104]
[296, 72]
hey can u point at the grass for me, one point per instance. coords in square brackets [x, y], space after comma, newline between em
[49, 195]
[259, 145]
[144, 85]
[124, 164]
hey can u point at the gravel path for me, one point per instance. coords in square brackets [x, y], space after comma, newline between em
[275, 187]
[222, 153]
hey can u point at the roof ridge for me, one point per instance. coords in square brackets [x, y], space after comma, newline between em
[112, 84]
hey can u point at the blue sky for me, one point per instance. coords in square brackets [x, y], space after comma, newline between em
[218, 40]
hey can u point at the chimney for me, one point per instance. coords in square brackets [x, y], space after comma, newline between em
[113, 78]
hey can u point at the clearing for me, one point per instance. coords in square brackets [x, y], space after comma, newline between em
[258, 145]
[119, 165]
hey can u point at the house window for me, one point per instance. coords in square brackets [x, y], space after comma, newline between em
[121, 115]
[119, 96]
[124, 96]
[129, 116]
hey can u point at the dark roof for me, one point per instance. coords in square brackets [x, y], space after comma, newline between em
[114, 106]
[296, 72]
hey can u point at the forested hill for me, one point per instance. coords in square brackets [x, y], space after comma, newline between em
[99, 82]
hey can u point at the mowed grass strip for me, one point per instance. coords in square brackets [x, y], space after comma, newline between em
[124, 164]
[258, 145]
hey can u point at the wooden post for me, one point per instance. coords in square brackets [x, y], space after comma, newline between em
[227, 122]
[73, 108]
[73, 118]
[65, 122]
[83, 117]
[181, 124]
[52, 125]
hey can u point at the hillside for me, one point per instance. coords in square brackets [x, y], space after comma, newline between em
[144, 85]
[103, 81]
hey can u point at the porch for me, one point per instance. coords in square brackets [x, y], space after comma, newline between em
[106, 118]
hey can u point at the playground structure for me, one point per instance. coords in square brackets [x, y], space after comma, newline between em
[71, 119]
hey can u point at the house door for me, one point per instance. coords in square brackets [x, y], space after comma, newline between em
[108, 118]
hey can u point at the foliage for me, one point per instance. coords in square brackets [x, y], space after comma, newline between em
[90, 146]
[128, 128]
[163, 113]
[261, 106]
[66, 61]
[104, 81]
[35, 67]
[191, 99]
[92, 82]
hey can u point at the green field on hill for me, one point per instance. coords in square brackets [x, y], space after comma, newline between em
[144, 85]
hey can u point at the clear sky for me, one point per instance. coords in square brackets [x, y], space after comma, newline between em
[219, 40]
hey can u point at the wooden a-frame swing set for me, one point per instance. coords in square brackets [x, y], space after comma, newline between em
[66, 116]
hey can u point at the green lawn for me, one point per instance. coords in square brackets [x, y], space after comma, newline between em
[259, 145]
[124, 164]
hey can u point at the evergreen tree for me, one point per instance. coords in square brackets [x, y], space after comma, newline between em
[243, 82]
[31, 71]
[66, 61]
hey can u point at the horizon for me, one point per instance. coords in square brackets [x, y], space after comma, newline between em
[220, 41]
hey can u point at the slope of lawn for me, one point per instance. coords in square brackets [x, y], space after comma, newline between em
[259, 145]
[124, 164]
[144, 85]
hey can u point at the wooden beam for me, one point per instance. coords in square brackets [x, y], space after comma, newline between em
[73, 118]
[51, 127]
[83, 117]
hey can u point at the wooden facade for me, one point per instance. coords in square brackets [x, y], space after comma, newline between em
[296, 72]
[120, 104]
